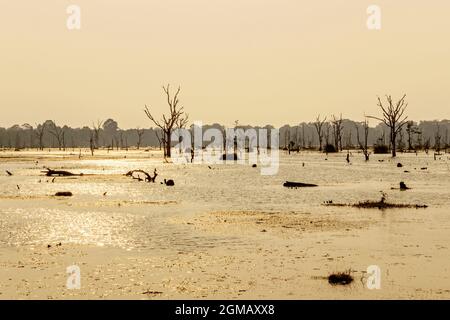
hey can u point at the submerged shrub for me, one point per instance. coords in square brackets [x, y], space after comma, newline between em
[340, 278]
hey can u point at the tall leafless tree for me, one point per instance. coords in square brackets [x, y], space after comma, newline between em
[168, 122]
[39, 132]
[338, 129]
[393, 117]
[446, 145]
[427, 145]
[180, 124]
[303, 136]
[160, 141]
[437, 139]
[326, 132]
[92, 141]
[96, 127]
[121, 140]
[411, 129]
[363, 145]
[57, 132]
[140, 133]
[400, 142]
[318, 124]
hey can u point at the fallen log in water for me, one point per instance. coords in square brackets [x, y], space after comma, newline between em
[290, 184]
[63, 194]
[61, 173]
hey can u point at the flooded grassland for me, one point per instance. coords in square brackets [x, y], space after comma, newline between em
[223, 231]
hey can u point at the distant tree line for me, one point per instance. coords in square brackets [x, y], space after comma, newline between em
[413, 136]
[393, 133]
[336, 135]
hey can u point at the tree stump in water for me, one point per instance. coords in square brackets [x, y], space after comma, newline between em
[169, 183]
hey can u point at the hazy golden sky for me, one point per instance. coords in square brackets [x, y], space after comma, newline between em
[259, 61]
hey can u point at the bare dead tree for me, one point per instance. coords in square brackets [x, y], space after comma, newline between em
[318, 124]
[327, 134]
[182, 121]
[29, 128]
[39, 132]
[96, 127]
[148, 177]
[180, 124]
[287, 140]
[121, 140]
[363, 145]
[427, 145]
[338, 128]
[160, 141]
[393, 118]
[347, 137]
[140, 133]
[410, 131]
[446, 139]
[437, 139]
[303, 136]
[91, 141]
[116, 140]
[168, 122]
[419, 138]
[400, 142]
[57, 132]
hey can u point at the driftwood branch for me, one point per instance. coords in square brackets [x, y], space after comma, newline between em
[148, 177]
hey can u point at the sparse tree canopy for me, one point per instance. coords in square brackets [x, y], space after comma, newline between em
[318, 124]
[393, 117]
[57, 132]
[96, 127]
[363, 145]
[169, 122]
[140, 133]
[39, 132]
[338, 129]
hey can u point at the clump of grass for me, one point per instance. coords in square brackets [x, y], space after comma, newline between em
[340, 278]
[380, 204]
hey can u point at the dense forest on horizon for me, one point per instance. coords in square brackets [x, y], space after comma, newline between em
[108, 134]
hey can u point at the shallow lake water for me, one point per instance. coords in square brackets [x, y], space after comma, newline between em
[233, 217]
[132, 213]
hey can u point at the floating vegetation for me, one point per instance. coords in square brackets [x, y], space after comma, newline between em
[380, 204]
